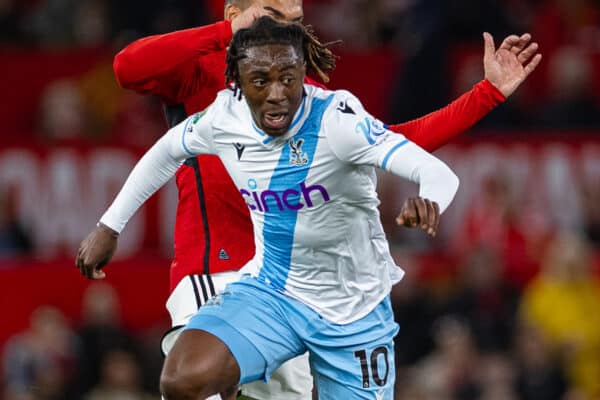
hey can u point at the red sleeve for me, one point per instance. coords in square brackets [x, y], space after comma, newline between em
[437, 128]
[156, 64]
[313, 82]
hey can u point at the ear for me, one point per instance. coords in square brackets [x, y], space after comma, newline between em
[231, 12]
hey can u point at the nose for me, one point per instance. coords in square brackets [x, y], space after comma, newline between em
[276, 93]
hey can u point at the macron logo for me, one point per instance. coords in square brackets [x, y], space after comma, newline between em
[290, 199]
[240, 149]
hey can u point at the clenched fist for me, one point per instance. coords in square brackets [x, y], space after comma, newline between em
[420, 213]
[96, 251]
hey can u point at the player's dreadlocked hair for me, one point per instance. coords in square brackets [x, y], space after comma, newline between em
[267, 31]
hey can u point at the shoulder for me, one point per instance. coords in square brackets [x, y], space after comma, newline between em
[227, 113]
[225, 105]
[336, 101]
[343, 107]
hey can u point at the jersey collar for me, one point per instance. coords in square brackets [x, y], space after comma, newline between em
[297, 122]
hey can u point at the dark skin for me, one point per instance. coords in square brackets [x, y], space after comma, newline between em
[95, 251]
[506, 67]
[98, 248]
[200, 364]
[272, 81]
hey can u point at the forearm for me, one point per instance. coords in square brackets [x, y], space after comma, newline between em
[156, 56]
[153, 170]
[439, 127]
[436, 180]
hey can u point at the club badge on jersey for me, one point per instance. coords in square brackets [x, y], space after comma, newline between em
[297, 156]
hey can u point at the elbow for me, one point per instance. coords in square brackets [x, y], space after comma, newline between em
[451, 184]
[443, 184]
[122, 69]
[454, 182]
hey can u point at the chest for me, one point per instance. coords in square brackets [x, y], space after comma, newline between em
[299, 173]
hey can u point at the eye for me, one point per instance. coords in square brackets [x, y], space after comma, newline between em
[258, 82]
[288, 80]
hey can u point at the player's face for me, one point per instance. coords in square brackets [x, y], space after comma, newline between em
[272, 77]
[284, 10]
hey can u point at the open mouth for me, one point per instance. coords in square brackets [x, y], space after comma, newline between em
[275, 121]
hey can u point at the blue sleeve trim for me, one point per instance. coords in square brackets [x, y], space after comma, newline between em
[187, 150]
[387, 157]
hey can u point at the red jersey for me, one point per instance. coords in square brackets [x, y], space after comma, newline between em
[186, 69]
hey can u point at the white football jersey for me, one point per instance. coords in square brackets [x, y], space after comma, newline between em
[311, 193]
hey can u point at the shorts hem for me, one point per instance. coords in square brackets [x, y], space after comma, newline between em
[241, 350]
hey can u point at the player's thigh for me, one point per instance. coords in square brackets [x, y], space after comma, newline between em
[202, 358]
[291, 381]
[250, 320]
[356, 361]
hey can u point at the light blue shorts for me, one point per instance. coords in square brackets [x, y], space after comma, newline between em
[263, 328]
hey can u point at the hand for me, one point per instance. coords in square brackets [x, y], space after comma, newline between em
[247, 17]
[509, 66]
[95, 251]
[421, 213]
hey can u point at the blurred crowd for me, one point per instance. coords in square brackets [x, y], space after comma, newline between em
[510, 309]
[437, 44]
[477, 335]
[468, 331]
[95, 358]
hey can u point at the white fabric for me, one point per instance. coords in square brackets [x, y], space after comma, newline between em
[337, 260]
[182, 304]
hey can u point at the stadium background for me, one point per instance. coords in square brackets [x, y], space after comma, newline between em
[502, 305]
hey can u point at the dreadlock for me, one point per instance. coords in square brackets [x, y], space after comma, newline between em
[267, 31]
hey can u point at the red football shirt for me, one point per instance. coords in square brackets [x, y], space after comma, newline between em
[186, 69]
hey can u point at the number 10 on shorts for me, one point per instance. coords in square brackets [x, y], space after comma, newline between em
[374, 358]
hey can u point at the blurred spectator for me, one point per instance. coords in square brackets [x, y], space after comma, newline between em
[100, 333]
[10, 11]
[91, 23]
[564, 301]
[39, 363]
[571, 103]
[449, 371]
[540, 373]
[14, 238]
[115, 115]
[68, 23]
[50, 22]
[352, 21]
[590, 197]
[485, 300]
[415, 312]
[428, 38]
[62, 112]
[496, 378]
[558, 22]
[494, 221]
[119, 378]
